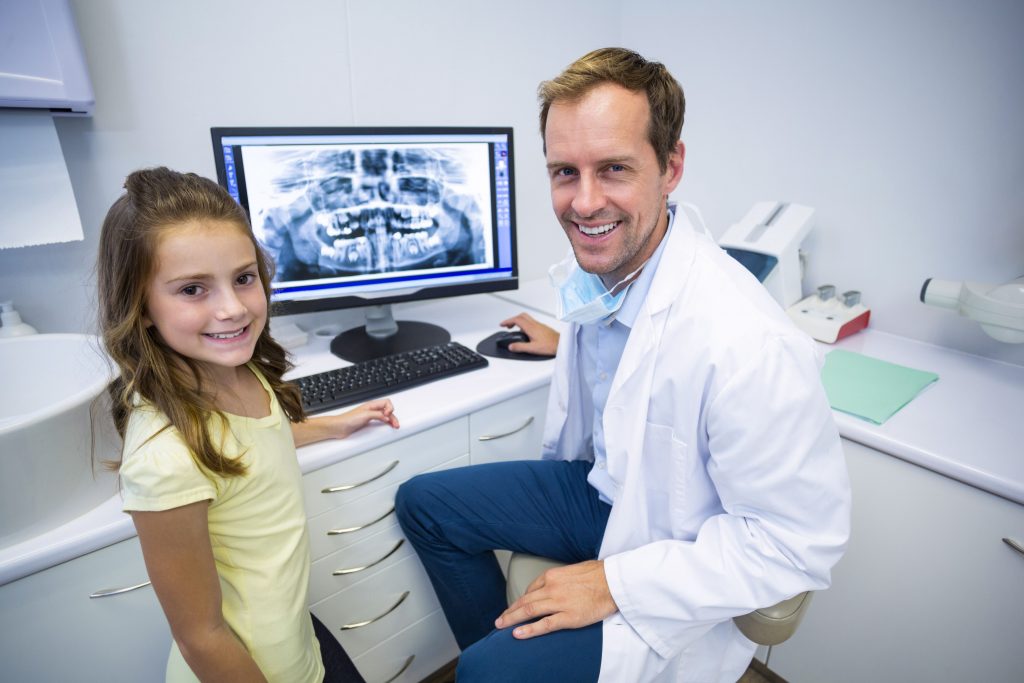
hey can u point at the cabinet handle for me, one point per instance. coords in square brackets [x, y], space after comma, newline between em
[106, 593]
[349, 487]
[389, 610]
[1016, 545]
[502, 436]
[348, 530]
[353, 570]
[408, 663]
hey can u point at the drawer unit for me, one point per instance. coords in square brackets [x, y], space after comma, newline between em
[412, 654]
[371, 610]
[510, 430]
[388, 465]
[359, 519]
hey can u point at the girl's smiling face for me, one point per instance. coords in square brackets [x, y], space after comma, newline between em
[205, 298]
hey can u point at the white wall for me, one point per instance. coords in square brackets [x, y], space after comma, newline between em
[900, 122]
[164, 73]
[896, 121]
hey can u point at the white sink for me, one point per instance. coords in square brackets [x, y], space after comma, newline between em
[51, 447]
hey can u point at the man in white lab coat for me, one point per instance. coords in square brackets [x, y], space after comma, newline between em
[692, 471]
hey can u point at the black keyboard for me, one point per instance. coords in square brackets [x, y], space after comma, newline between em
[385, 375]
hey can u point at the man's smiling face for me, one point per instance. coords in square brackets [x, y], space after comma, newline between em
[606, 187]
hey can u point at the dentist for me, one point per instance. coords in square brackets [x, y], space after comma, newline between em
[692, 471]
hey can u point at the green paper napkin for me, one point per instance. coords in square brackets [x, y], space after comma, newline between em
[869, 388]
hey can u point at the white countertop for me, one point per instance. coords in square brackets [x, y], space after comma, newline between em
[966, 426]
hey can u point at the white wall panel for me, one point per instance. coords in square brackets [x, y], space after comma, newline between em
[898, 122]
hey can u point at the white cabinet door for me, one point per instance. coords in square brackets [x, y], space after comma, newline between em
[927, 590]
[510, 430]
[53, 631]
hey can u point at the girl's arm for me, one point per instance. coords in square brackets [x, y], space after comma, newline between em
[179, 560]
[343, 425]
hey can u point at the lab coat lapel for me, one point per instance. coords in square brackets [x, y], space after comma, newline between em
[625, 416]
[645, 337]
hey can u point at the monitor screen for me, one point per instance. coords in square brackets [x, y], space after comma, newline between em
[371, 216]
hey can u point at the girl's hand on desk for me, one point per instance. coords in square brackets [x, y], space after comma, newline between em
[346, 424]
[353, 420]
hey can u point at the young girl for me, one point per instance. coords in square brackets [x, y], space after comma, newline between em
[209, 470]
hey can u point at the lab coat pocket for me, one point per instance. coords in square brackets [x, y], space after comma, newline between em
[689, 492]
[662, 455]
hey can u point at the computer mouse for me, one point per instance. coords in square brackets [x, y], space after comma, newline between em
[511, 337]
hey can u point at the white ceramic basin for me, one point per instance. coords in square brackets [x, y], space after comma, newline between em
[51, 447]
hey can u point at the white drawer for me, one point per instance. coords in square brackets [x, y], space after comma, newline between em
[510, 430]
[359, 519]
[411, 655]
[353, 522]
[381, 467]
[372, 610]
[358, 562]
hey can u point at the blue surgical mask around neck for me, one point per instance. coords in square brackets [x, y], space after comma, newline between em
[582, 296]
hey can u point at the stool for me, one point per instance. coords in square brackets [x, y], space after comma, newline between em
[765, 626]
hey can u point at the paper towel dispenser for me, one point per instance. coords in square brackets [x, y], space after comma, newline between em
[41, 61]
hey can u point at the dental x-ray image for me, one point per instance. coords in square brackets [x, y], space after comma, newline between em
[351, 210]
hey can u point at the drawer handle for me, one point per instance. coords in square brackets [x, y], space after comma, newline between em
[502, 436]
[353, 570]
[106, 593]
[1016, 545]
[348, 530]
[408, 663]
[389, 610]
[349, 487]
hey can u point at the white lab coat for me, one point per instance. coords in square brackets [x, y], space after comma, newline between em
[732, 488]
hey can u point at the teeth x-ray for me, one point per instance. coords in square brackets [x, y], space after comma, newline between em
[346, 210]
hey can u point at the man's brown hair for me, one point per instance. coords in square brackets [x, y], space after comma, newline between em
[633, 72]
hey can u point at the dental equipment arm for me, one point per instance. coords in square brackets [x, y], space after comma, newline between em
[999, 309]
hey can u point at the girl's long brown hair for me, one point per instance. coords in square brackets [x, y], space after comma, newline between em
[156, 199]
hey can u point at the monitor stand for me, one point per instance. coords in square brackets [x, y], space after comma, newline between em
[383, 336]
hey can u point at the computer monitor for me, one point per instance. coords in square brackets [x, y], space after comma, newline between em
[368, 217]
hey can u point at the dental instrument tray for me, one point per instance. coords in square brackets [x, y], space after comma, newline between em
[385, 375]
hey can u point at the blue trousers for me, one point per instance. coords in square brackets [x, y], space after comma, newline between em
[455, 518]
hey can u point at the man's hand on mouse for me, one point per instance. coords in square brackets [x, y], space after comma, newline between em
[573, 596]
[543, 339]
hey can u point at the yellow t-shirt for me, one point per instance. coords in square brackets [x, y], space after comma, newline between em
[257, 530]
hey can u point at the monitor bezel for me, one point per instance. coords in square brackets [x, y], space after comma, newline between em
[427, 292]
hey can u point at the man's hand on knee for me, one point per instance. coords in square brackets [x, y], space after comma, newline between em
[566, 597]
